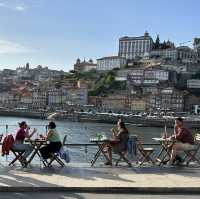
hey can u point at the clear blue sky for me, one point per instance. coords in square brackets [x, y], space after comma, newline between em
[55, 33]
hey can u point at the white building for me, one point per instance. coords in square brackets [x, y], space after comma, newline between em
[183, 53]
[108, 63]
[55, 96]
[193, 83]
[165, 53]
[39, 98]
[84, 66]
[148, 76]
[6, 98]
[131, 47]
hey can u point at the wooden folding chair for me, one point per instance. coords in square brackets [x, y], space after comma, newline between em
[56, 156]
[144, 152]
[190, 155]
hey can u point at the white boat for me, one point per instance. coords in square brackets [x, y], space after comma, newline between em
[54, 116]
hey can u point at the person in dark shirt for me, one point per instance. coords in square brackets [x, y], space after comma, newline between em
[183, 139]
[119, 141]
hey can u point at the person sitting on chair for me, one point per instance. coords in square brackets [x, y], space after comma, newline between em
[22, 133]
[55, 142]
[119, 141]
[183, 140]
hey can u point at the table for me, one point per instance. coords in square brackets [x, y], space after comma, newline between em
[37, 144]
[165, 149]
[101, 144]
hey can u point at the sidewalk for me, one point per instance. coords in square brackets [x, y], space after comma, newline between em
[82, 176]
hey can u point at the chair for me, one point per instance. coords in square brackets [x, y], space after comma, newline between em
[144, 152]
[17, 153]
[56, 156]
[18, 156]
[190, 155]
[131, 146]
[1, 136]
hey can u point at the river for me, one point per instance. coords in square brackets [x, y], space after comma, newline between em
[78, 132]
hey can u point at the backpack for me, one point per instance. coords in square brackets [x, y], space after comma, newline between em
[7, 144]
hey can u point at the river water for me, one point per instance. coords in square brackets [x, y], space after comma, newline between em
[78, 132]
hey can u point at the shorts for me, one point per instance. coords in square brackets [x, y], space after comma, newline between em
[184, 146]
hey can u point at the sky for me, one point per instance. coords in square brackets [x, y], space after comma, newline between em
[55, 33]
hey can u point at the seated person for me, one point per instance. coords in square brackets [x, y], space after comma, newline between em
[22, 133]
[119, 141]
[183, 140]
[55, 143]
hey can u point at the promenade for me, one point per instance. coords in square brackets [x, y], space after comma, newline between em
[82, 177]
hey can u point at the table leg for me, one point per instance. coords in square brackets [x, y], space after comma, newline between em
[96, 156]
[106, 157]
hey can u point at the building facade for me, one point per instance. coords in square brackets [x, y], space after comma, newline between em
[182, 53]
[167, 99]
[131, 47]
[84, 66]
[147, 76]
[138, 104]
[165, 53]
[108, 63]
[193, 83]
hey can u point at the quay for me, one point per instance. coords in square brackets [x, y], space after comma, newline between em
[82, 177]
[142, 121]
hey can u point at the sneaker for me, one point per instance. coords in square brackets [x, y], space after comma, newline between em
[108, 163]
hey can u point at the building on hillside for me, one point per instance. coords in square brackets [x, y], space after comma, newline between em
[193, 83]
[9, 99]
[196, 45]
[181, 53]
[138, 105]
[132, 47]
[26, 98]
[84, 66]
[192, 103]
[147, 76]
[169, 53]
[114, 104]
[77, 96]
[55, 97]
[109, 63]
[40, 99]
[167, 99]
[186, 54]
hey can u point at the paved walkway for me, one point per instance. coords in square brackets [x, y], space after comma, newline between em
[82, 175]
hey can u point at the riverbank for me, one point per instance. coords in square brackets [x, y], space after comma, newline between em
[140, 121]
[28, 114]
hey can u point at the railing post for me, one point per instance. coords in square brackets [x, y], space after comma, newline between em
[6, 135]
[46, 129]
[6, 129]
[86, 151]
